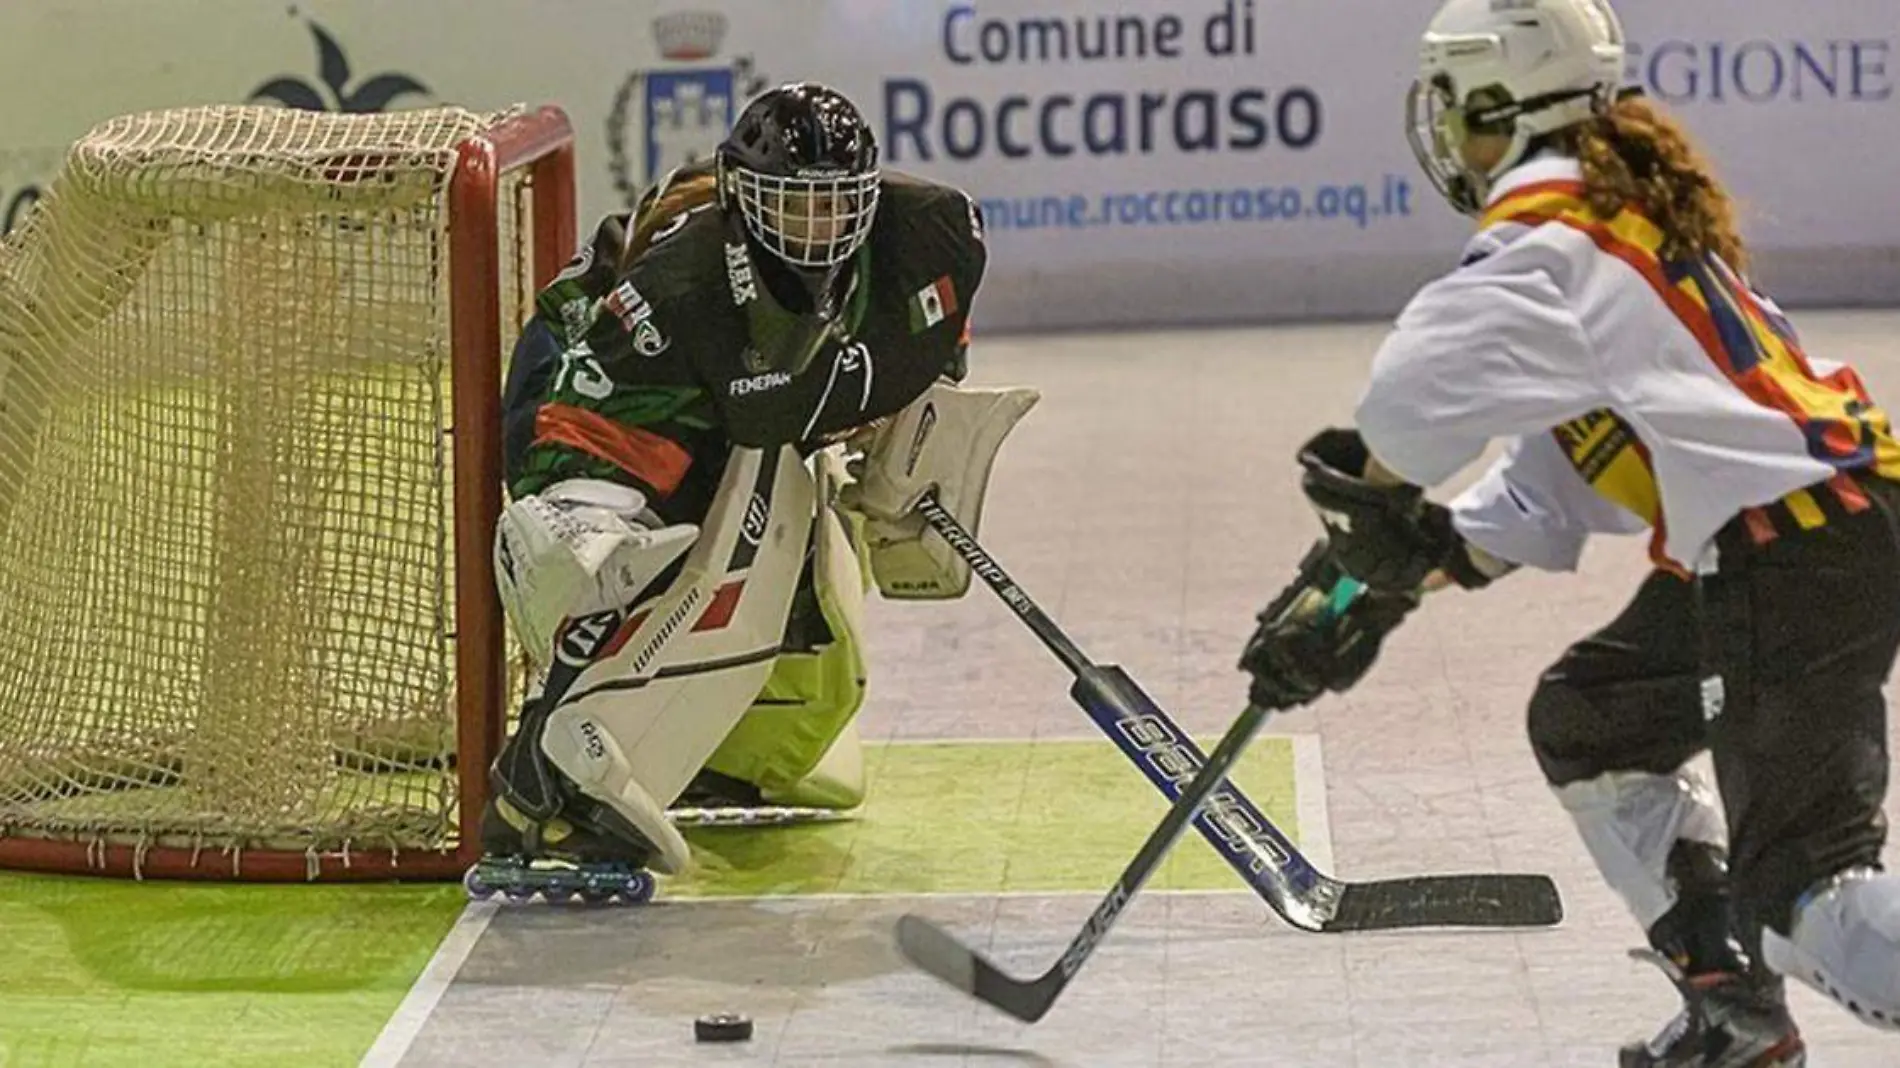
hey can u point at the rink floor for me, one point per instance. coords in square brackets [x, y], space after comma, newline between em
[1150, 504]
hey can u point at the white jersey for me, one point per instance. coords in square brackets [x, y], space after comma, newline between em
[1634, 391]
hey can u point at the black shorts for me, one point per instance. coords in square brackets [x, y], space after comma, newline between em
[1801, 629]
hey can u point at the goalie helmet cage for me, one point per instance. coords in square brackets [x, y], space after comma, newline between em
[250, 460]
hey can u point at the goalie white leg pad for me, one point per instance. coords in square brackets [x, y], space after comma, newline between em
[1846, 944]
[640, 721]
[587, 751]
[1631, 820]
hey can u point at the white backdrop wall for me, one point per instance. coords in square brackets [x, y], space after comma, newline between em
[1142, 161]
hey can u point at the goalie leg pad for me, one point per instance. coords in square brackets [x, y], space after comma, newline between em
[576, 549]
[593, 760]
[946, 440]
[795, 743]
[1630, 823]
[641, 720]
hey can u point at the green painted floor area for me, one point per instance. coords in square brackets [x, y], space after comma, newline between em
[103, 972]
[983, 818]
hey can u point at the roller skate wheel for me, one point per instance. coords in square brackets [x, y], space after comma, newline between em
[640, 890]
[475, 886]
[722, 1027]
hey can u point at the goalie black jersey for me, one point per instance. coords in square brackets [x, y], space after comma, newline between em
[654, 372]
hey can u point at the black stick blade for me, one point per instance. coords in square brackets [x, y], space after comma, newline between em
[1448, 901]
[936, 951]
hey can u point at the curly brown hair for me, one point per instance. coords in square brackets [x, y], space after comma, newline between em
[1636, 156]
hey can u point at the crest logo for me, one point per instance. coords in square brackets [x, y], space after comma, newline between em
[339, 89]
[677, 113]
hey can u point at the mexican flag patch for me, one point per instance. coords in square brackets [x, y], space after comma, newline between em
[932, 305]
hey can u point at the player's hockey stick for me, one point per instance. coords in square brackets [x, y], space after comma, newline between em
[938, 952]
[1301, 894]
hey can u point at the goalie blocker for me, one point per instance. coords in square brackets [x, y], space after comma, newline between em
[665, 649]
[943, 443]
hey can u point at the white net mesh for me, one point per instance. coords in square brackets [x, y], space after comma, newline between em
[225, 493]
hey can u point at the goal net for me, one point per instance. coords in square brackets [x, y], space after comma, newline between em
[247, 357]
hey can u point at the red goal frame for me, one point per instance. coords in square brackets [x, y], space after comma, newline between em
[542, 143]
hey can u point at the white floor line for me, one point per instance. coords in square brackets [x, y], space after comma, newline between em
[401, 1031]
[1309, 802]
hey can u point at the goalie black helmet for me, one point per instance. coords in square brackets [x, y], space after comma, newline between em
[800, 167]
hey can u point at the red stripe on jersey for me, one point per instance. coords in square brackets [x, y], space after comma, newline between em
[654, 459]
[1757, 383]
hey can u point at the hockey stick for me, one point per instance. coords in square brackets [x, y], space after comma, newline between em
[1300, 893]
[938, 952]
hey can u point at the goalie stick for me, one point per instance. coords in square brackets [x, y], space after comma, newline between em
[1292, 886]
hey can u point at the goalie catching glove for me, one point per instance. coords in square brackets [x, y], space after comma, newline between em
[944, 442]
[1386, 535]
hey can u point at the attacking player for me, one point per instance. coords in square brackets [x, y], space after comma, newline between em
[684, 555]
[1601, 325]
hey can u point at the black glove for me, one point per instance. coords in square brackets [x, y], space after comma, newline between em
[1305, 650]
[1388, 537]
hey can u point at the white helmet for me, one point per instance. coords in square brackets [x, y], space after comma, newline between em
[1536, 66]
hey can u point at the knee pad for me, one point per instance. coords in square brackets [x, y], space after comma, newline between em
[1631, 821]
[1555, 716]
[1583, 732]
[1846, 944]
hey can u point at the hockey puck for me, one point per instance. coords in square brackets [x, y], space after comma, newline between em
[722, 1027]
